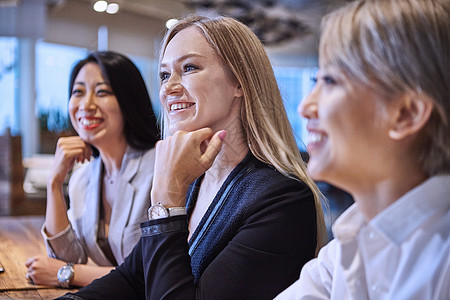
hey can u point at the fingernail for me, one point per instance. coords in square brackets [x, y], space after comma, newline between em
[223, 134]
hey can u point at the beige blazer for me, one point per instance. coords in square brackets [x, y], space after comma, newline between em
[79, 240]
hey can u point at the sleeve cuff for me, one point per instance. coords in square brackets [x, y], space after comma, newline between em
[164, 225]
[59, 234]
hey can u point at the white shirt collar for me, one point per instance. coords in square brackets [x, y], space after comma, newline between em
[401, 218]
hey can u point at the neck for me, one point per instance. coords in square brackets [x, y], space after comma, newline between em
[112, 157]
[383, 192]
[233, 151]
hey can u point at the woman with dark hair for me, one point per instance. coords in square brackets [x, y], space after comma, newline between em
[111, 111]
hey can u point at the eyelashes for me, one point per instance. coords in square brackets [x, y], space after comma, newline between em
[327, 79]
[187, 68]
[163, 76]
[98, 93]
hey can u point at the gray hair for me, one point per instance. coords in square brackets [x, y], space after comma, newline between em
[397, 47]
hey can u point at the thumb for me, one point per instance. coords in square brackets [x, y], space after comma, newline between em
[213, 148]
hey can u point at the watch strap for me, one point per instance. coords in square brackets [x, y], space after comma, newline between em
[176, 211]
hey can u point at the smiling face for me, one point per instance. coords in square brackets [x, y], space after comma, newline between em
[94, 109]
[348, 130]
[196, 91]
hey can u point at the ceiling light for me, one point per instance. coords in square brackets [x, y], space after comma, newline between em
[100, 6]
[112, 8]
[170, 23]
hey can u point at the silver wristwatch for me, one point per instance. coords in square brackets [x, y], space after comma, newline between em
[65, 275]
[158, 211]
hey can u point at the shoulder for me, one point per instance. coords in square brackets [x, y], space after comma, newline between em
[145, 158]
[320, 270]
[316, 277]
[138, 166]
[263, 178]
[262, 189]
[82, 172]
[148, 157]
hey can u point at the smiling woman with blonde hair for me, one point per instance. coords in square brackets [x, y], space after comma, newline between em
[267, 130]
[234, 214]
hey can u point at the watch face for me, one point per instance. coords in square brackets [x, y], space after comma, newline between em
[157, 211]
[65, 273]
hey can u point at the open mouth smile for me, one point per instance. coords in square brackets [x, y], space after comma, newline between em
[180, 106]
[90, 123]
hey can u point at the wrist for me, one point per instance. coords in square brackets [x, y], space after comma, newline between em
[169, 198]
[170, 193]
[54, 182]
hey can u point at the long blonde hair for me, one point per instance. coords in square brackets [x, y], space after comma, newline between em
[263, 115]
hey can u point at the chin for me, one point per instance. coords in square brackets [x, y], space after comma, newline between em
[178, 127]
[87, 138]
[316, 170]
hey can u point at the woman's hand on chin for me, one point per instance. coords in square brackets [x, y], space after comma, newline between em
[180, 159]
[68, 151]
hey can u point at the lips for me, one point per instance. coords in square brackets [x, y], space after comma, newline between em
[89, 123]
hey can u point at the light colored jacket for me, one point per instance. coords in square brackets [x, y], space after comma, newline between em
[79, 240]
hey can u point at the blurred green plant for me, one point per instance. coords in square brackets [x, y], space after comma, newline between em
[54, 120]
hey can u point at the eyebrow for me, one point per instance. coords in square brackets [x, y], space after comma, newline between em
[97, 84]
[183, 57]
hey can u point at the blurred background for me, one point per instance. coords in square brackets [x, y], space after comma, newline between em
[40, 40]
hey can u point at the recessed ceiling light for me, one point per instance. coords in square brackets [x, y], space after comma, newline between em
[100, 6]
[112, 8]
[171, 22]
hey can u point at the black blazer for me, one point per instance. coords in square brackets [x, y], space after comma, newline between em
[251, 244]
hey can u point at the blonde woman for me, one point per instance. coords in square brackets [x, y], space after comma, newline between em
[234, 214]
[380, 118]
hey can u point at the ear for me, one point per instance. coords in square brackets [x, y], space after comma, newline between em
[238, 93]
[412, 114]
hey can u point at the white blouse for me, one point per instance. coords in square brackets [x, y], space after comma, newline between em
[402, 253]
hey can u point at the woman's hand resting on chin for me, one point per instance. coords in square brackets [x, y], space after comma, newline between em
[180, 159]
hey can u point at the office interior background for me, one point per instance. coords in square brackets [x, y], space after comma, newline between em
[40, 40]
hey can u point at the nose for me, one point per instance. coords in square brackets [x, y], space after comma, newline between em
[172, 86]
[308, 107]
[88, 103]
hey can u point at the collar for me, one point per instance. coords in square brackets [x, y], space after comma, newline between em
[399, 220]
[130, 163]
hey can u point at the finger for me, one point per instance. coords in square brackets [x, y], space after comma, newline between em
[29, 262]
[68, 152]
[80, 158]
[85, 152]
[213, 148]
[88, 152]
[202, 134]
[78, 154]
